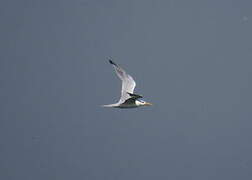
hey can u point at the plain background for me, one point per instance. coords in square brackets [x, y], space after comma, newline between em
[191, 59]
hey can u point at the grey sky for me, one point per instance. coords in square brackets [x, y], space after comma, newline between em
[191, 59]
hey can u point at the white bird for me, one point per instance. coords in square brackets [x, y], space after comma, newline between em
[128, 98]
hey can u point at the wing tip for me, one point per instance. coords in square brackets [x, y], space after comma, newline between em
[135, 95]
[111, 62]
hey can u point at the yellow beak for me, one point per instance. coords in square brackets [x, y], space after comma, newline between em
[147, 104]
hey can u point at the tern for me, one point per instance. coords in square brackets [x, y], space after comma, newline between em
[128, 98]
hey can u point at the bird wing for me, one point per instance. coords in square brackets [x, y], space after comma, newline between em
[128, 83]
[132, 99]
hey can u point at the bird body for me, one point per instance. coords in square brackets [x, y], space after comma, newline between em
[128, 98]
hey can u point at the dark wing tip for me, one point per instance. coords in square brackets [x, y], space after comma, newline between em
[111, 62]
[135, 95]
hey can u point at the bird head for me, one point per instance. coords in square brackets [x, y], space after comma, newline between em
[142, 103]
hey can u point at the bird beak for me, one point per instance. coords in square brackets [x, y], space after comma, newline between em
[147, 104]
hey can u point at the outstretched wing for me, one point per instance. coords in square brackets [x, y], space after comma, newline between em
[128, 83]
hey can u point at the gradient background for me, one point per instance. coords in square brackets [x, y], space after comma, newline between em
[191, 59]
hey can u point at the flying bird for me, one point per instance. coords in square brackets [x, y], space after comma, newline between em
[128, 98]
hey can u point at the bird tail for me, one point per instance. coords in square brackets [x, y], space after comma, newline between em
[108, 105]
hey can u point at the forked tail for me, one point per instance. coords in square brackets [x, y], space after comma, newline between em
[109, 105]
